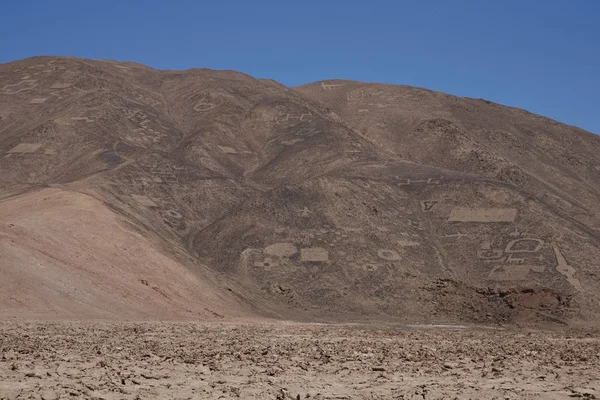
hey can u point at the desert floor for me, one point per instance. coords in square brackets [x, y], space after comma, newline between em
[102, 360]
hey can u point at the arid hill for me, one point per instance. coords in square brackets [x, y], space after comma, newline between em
[127, 192]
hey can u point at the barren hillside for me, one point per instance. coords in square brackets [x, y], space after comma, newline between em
[128, 192]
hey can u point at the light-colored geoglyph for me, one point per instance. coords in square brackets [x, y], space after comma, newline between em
[305, 212]
[38, 100]
[306, 132]
[292, 141]
[390, 255]
[411, 181]
[86, 119]
[355, 95]
[329, 86]
[227, 149]
[513, 252]
[144, 200]
[26, 148]
[408, 243]
[204, 106]
[60, 86]
[354, 148]
[173, 214]
[281, 250]
[467, 214]
[22, 86]
[565, 269]
[303, 117]
[314, 254]
[524, 245]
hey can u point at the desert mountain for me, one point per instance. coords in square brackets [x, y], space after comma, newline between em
[128, 192]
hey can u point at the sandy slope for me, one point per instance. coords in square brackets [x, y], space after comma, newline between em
[66, 254]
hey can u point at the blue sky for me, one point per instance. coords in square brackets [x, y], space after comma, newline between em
[543, 56]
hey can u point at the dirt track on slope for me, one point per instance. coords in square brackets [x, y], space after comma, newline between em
[290, 361]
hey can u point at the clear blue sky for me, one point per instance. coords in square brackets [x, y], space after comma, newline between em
[541, 55]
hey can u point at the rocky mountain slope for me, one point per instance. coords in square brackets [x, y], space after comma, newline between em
[209, 194]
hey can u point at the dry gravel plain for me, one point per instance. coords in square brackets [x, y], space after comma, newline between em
[102, 360]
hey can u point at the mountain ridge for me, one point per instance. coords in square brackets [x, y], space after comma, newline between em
[332, 201]
[432, 90]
